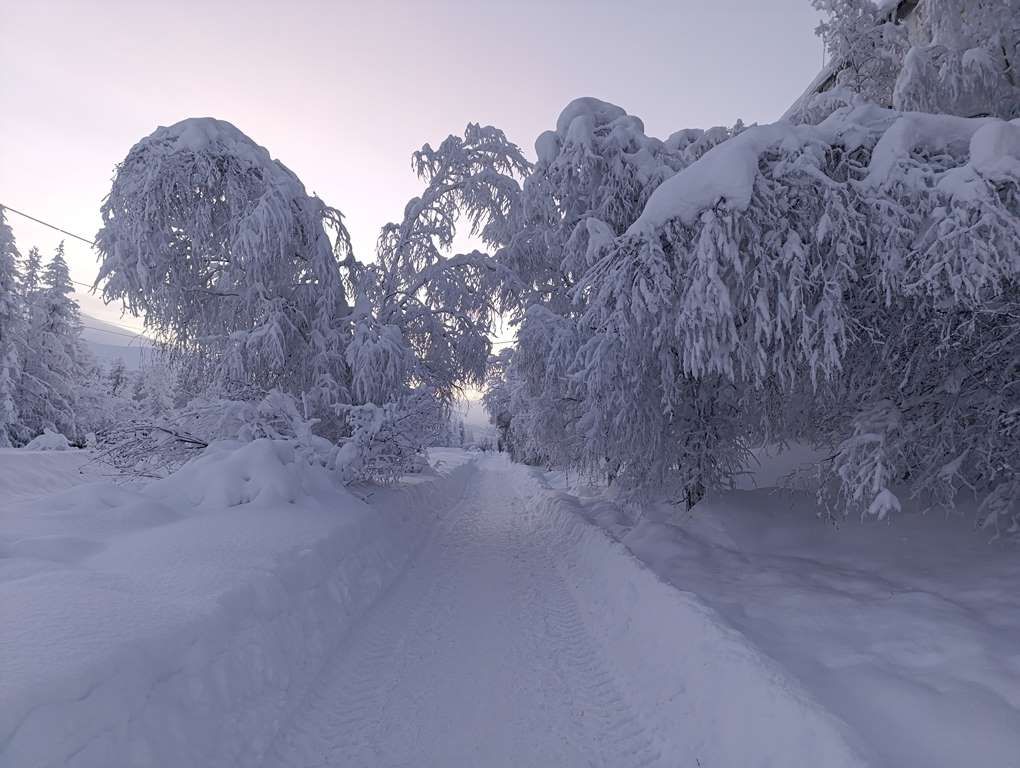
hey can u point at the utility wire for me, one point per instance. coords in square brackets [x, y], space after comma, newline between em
[58, 229]
[47, 224]
[90, 287]
[115, 333]
[131, 336]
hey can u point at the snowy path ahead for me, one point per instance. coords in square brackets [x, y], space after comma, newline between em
[477, 656]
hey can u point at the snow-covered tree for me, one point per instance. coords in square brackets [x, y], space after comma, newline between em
[31, 275]
[851, 283]
[55, 359]
[152, 390]
[865, 46]
[241, 275]
[12, 337]
[117, 376]
[942, 56]
[251, 287]
[865, 269]
[440, 304]
[595, 172]
[965, 59]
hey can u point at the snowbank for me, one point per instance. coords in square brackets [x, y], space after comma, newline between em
[177, 624]
[48, 441]
[26, 474]
[688, 671]
[903, 631]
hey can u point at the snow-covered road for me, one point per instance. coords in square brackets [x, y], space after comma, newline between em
[249, 610]
[476, 656]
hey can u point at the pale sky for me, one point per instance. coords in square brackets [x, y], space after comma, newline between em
[343, 92]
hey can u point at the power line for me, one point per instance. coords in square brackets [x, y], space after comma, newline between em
[90, 287]
[115, 333]
[47, 224]
[58, 229]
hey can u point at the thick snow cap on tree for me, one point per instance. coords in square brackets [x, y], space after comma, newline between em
[725, 175]
[575, 122]
[196, 134]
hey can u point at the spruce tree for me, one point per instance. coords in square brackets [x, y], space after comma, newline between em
[11, 335]
[54, 366]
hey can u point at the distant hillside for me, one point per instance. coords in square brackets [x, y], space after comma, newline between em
[109, 342]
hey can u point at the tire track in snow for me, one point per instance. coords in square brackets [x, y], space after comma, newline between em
[601, 709]
[477, 656]
[340, 720]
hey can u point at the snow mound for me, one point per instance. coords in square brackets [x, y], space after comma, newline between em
[912, 131]
[48, 441]
[265, 472]
[28, 474]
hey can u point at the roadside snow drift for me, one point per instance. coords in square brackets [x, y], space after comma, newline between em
[693, 678]
[905, 630]
[175, 625]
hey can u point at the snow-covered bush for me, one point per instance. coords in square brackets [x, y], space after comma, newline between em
[154, 439]
[387, 440]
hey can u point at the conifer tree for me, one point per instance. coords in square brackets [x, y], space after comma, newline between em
[55, 362]
[11, 335]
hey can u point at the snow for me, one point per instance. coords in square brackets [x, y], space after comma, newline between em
[48, 441]
[26, 474]
[547, 146]
[588, 108]
[197, 134]
[914, 130]
[250, 610]
[725, 173]
[174, 624]
[995, 149]
[231, 625]
[902, 630]
[521, 636]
